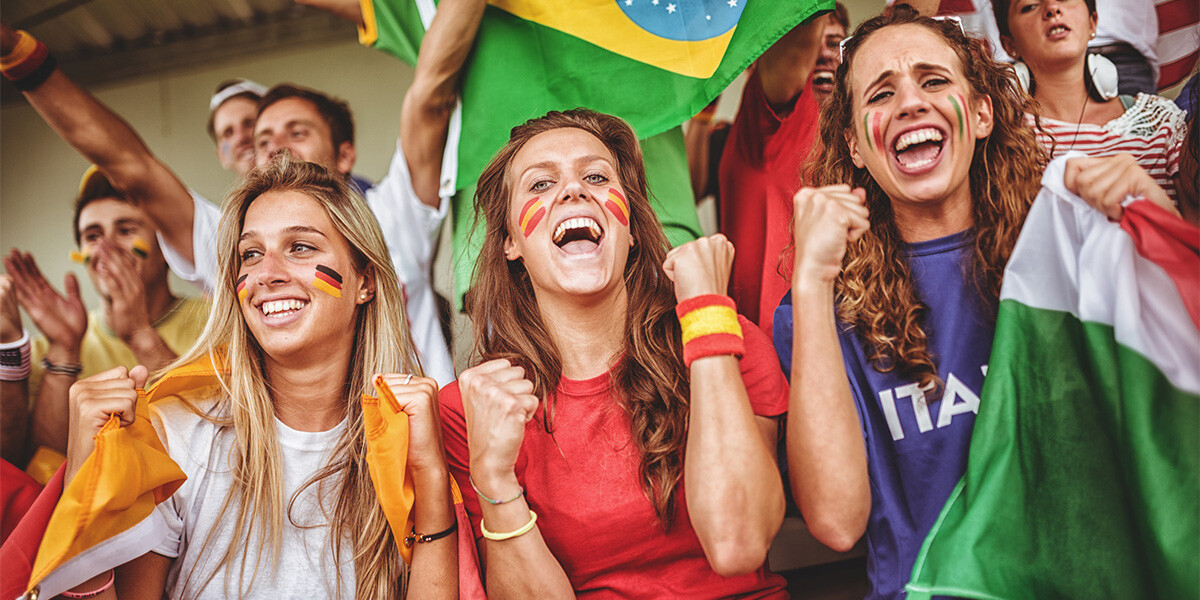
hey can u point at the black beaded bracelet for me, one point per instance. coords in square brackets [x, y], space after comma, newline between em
[419, 538]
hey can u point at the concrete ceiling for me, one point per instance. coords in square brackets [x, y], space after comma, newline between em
[104, 40]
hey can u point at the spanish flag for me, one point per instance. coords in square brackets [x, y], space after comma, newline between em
[106, 516]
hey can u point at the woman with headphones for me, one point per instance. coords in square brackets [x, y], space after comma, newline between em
[1077, 91]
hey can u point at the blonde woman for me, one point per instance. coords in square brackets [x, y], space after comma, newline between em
[278, 502]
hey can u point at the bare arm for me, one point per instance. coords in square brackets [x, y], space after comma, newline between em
[497, 403]
[104, 138]
[350, 10]
[827, 459]
[785, 67]
[14, 403]
[143, 578]
[429, 102]
[734, 492]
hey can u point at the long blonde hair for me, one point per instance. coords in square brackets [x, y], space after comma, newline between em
[651, 380]
[875, 290]
[382, 344]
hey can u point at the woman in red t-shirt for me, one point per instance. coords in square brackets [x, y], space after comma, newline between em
[615, 448]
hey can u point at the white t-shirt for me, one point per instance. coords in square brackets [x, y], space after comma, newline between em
[203, 451]
[410, 229]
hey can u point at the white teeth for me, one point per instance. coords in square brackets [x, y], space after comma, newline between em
[277, 306]
[916, 137]
[1057, 28]
[577, 223]
[918, 164]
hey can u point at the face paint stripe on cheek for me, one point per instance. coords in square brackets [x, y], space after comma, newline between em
[140, 248]
[531, 215]
[617, 205]
[958, 111]
[877, 129]
[242, 292]
[867, 131]
[82, 258]
[329, 281]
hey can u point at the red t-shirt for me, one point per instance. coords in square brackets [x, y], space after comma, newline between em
[591, 509]
[759, 174]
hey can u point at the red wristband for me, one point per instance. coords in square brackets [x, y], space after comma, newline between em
[710, 327]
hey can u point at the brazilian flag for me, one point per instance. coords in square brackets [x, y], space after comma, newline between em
[654, 63]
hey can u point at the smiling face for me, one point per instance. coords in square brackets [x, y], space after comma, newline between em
[233, 126]
[1049, 33]
[915, 117]
[301, 289]
[829, 58]
[123, 226]
[568, 214]
[295, 124]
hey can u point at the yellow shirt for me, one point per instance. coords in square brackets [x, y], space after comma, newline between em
[101, 349]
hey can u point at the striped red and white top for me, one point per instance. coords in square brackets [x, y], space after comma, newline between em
[1152, 130]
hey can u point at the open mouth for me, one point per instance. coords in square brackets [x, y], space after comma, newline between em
[1058, 31]
[281, 308]
[578, 235]
[823, 79]
[918, 148]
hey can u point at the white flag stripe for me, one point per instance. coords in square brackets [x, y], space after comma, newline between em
[1177, 44]
[113, 552]
[1070, 258]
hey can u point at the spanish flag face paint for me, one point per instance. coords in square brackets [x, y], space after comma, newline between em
[618, 206]
[329, 281]
[531, 215]
[242, 292]
[140, 248]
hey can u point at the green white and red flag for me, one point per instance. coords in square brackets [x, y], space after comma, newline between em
[1083, 479]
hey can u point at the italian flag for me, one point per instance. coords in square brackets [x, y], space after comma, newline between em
[1082, 479]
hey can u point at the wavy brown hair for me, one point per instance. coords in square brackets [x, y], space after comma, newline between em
[875, 290]
[650, 380]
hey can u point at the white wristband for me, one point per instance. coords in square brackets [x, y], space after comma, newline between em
[15, 359]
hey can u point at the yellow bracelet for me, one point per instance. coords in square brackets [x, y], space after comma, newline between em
[500, 537]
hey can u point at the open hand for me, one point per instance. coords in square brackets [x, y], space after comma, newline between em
[62, 319]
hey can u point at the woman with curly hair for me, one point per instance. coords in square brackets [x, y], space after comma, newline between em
[928, 172]
[279, 501]
[616, 445]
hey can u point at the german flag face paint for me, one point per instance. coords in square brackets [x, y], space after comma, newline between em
[242, 292]
[618, 206]
[531, 215]
[329, 281]
[140, 248]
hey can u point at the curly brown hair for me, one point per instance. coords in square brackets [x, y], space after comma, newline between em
[875, 291]
[650, 380]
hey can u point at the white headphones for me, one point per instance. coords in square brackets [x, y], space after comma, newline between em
[1099, 76]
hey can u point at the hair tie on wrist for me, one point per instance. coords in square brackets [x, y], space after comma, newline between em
[484, 497]
[29, 63]
[710, 327]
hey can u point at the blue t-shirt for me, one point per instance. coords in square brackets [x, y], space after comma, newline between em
[916, 449]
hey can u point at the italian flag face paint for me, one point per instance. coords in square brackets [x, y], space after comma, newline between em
[329, 281]
[958, 103]
[531, 215]
[877, 129]
[140, 248]
[242, 292]
[617, 205]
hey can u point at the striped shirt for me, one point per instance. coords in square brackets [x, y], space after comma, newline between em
[1152, 130]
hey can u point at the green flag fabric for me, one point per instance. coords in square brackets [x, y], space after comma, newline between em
[651, 66]
[1083, 478]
